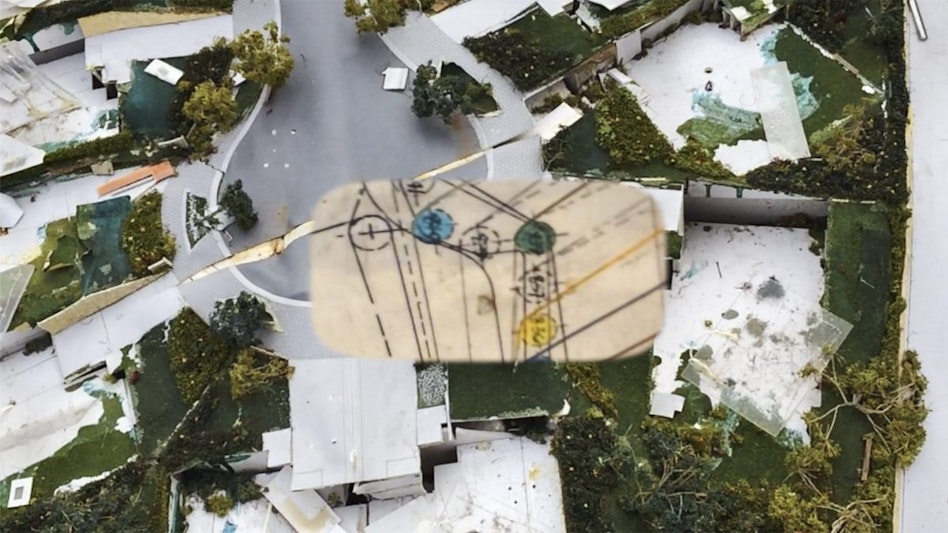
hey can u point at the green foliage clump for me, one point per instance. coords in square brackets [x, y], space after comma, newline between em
[445, 95]
[585, 448]
[695, 158]
[845, 147]
[512, 54]
[253, 370]
[675, 491]
[237, 486]
[38, 344]
[892, 398]
[861, 160]
[617, 26]
[63, 12]
[219, 504]
[587, 377]
[211, 63]
[626, 133]
[198, 355]
[376, 16]
[144, 239]
[238, 319]
[673, 242]
[133, 499]
[92, 149]
[240, 205]
[211, 109]
[263, 58]
[823, 21]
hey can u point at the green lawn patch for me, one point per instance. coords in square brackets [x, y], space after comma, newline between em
[144, 237]
[869, 59]
[481, 391]
[629, 18]
[145, 107]
[248, 93]
[832, 86]
[52, 290]
[96, 449]
[559, 33]
[534, 49]
[99, 227]
[162, 405]
[155, 395]
[858, 268]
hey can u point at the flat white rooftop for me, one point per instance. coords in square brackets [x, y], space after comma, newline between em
[510, 485]
[353, 420]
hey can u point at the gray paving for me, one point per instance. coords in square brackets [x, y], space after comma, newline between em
[924, 499]
[332, 124]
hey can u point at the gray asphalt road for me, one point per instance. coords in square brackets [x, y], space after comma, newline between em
[331, 124]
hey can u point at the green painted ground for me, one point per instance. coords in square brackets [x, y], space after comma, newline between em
[160, 408]
[99, 226]
[557, 34]
[51, 291]
[145, 107]
[832, 86]
[868, 59]
[481, 391]
[857, 289]
[96, 449]
[156, 398]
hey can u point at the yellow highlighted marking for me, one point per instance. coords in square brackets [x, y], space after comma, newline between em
[537, 329]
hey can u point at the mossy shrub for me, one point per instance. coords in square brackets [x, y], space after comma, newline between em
[144, 239]
[626, 133]
[198, 356]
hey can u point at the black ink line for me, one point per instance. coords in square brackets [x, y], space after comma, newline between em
[599, 319]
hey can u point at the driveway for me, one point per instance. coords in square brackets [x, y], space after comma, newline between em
[331, 124]
[924, 502]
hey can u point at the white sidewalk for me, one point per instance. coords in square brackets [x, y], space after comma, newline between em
[924, 502]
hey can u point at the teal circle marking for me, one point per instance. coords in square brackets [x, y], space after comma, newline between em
[535, 237]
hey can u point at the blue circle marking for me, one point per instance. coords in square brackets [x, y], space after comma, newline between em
[432, 226]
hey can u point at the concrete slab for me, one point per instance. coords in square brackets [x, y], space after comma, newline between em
[479, 17]
[722, 266]
[511, 485]
[278, 445]
[353, 420]
[924, 491]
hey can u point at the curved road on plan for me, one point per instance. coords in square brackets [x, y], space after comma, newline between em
[329, 125]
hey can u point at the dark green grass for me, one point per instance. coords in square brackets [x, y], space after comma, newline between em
[157, 401]
[481, 391]
[832, 86]
[857, 289]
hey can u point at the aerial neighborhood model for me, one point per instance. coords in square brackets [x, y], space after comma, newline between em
[456, 266]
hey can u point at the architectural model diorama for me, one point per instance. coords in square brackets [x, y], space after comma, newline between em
[383, 266]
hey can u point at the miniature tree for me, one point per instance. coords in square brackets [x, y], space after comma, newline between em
[375, 16]
[444, 95]
[238, 319]
[264, 59]
[250, 372]
[212, 109]
[239, 204]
